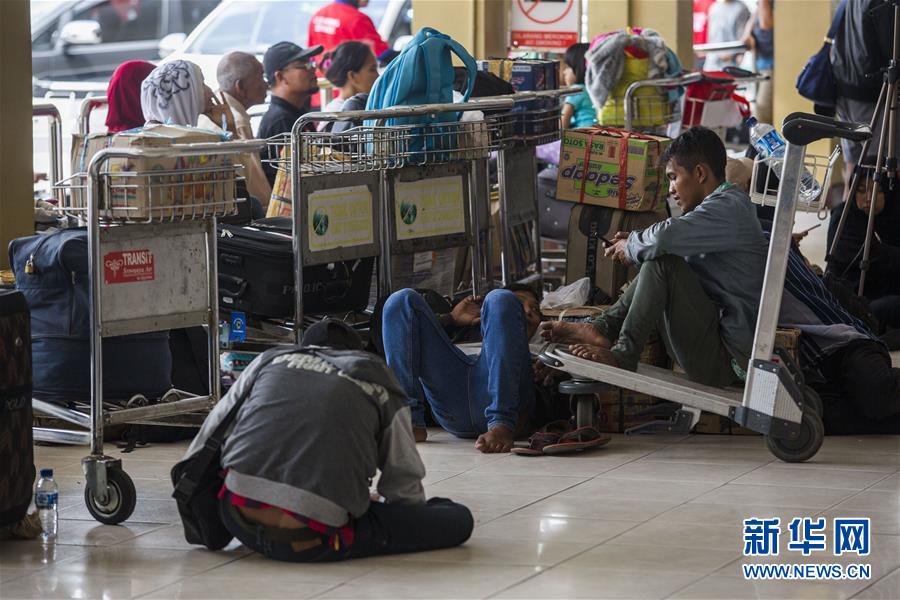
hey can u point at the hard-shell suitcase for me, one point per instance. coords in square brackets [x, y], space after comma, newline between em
[52, 272]
[16, 450]
[256, 274]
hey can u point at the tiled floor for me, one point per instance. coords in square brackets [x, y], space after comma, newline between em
[646, 517]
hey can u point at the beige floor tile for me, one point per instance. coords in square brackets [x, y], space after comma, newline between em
[256, 567]
[165, 536]
[598, 508]
[886, 522]
[717, 588]
[491, 501]
[886, 588]
[708, 454]
[650, 470]
[54, 583]
[499, 483]
[651, 559]
[406, 579]
[587, 464]
[561, 529]
[730, 515]
[868, 444]
[28, 555]
[607, 487]
[142, 562]
[880, 500]
[214, 588]
[774, 495]
[92, 533]
[460, 463]
[662, 532]
[782, 474]
[483, 550]
[576, 582]
[755, 442]
[147, 510]
[433, 476]
[889, 484]
[831, 458]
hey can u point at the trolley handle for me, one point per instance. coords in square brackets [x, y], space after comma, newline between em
[51, 113]
[804, 128]
[84, 112]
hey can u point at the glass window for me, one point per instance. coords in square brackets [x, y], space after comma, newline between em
[232, 30]
[125, 20]
[46, 40]
[194, 11]
[286, 21]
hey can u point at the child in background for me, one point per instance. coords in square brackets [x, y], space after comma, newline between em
[577, 110]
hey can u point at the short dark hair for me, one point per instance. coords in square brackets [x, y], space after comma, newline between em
[574, 59]
[695, 146]
[523, 287]
[346, 58]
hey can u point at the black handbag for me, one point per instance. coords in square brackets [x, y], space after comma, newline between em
[816, 81]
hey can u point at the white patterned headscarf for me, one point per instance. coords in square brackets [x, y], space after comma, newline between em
[173, 94]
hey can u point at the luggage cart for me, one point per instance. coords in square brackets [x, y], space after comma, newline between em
[521, 132]
[774, 401]
[650, 114]
[152, 265]
[713, 101]
[88, 105]
[388, 171]
[49, 111]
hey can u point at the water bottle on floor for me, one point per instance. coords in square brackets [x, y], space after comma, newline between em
[770, 145]
[46, 499]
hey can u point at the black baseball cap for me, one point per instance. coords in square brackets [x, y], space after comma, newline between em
[280, 55]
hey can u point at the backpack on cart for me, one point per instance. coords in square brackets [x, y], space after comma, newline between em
[16, 449]
[52, 273]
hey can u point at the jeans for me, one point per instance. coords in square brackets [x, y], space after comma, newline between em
[667, 297]
[467, 394]
[383, 529]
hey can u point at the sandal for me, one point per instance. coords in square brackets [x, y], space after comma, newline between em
[550, 435]
[583, 438]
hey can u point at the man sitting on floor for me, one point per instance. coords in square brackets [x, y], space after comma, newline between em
[490, 395]
[700, 277]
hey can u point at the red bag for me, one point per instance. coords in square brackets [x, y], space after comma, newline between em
[716, 86]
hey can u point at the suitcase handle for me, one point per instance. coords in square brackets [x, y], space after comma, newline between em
[241, 285]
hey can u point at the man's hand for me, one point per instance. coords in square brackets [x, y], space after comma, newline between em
[498, 439]
[467, 312]
[563, 332]
[617, 251]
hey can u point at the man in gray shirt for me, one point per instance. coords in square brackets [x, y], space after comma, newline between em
[700, 278]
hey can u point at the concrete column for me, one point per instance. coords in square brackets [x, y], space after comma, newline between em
[606, 15]
[16, 206]
[456, 18]
[673, 19]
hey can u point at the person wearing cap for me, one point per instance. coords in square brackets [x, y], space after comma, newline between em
[291, 74]
[342, 21]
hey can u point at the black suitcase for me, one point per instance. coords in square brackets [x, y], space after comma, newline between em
[52, 272]
[16, 449]
[554, 214]
[256, 274]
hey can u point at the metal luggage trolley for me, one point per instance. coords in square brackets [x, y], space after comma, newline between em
[88, 105]
[152, 266]
[384, 190]
[521, 132]
[650, 114]
[774, 401]
[51, 113]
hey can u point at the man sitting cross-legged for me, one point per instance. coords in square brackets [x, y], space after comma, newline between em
[700, 275]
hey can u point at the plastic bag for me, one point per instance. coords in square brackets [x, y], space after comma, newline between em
[568, 296]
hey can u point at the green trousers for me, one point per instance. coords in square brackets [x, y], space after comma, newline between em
[667, 297]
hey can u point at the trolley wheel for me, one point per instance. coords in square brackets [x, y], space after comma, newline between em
[812, 400]
[585, 411]
[121, 498]
[804, 444]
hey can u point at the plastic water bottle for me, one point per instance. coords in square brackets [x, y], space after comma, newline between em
[771, 146]
[46, 499]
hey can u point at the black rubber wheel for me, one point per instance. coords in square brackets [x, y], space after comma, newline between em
[121, 498]
[804, 444]
[812, 400]
[585, 411]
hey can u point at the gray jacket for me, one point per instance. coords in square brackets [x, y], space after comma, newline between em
[724, 244]
[315, 427]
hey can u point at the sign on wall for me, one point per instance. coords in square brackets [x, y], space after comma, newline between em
[545, 24]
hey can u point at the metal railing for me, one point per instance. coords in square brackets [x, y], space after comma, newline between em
[50, 112]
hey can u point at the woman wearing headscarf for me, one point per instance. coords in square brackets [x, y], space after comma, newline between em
[124, 96]
[174, 94]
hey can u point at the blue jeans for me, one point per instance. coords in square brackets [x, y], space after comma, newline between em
[467, 394]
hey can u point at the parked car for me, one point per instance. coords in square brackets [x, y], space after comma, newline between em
[85, 40]
[254, 25]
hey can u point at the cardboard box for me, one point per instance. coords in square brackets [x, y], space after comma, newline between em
[645, 185]
[137, 192]
[525, 75]
[586, 221]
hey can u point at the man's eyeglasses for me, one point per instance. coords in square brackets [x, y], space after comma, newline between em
[305, 66]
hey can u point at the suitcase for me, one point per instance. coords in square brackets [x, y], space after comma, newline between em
[256, 274]
[16, 449]
[52, 272]
[554, 214]
[584, 251]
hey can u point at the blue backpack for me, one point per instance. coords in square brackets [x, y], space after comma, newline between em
[423, 74]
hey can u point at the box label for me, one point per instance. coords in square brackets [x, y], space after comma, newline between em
[128, 266]
[429, 207]
[340, 218]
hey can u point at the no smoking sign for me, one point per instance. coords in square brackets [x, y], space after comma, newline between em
[544, 24]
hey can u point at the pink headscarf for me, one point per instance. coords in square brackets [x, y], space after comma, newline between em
[124, 96]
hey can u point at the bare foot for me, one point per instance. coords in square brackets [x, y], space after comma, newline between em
[498, 439]
[420, 434]
[594, 353]
[563, 332]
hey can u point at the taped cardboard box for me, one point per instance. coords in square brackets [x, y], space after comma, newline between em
[622, 169]
[137, 191]
[584, 251]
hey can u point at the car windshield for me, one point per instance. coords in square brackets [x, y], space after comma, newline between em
[253, 25]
